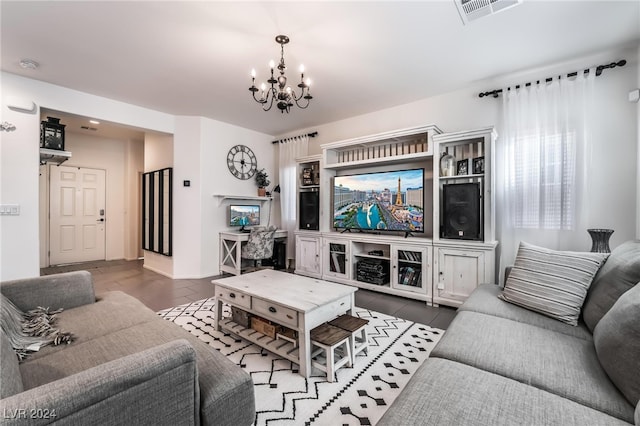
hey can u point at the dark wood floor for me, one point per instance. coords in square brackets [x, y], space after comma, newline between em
[159, 292]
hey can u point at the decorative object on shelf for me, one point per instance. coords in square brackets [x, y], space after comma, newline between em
[462, 167]
[242, 162]
[478, 166]
[600, 240]
[52, 134]
[284, 95]
[307, 176]
[262, 180]
[447, 164]
[7, 127]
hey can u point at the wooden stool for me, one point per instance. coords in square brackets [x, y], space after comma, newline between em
[354, 326]
[329, 338]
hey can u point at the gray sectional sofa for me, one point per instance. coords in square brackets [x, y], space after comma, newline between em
[126, 366]
[501, 364]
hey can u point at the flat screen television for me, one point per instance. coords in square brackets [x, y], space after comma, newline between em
[381, 201]
[242, 215]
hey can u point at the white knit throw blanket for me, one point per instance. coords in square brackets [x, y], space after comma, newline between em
[29, 331]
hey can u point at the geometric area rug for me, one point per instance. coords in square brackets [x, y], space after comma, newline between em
[361, 394]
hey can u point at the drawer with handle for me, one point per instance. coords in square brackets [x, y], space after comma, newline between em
[235, 297]
[278, 313]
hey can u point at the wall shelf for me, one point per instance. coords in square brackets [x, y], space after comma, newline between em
[223, 197]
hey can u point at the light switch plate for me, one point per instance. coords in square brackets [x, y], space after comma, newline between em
[10, 209]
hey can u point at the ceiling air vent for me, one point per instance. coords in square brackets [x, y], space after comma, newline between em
[470, 10]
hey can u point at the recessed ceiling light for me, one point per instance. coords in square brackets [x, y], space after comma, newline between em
[94, 122]
[29, 64]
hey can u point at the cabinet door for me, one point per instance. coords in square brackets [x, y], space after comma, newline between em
[410, 268]
[459, 273]
[308, 256]
[336, 255]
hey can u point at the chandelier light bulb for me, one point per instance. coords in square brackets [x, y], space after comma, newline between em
[289, 90]
[253, 73]
[301, 69]
[272, 64]
[263, 87]
[308, 82]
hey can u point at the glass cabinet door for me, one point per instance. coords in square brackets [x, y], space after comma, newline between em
[337, 253]
[410, 268]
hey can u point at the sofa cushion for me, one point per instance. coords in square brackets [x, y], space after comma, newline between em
[10, 379]
[484, 300]
[111, 312]
[617, 342]
[619, 274]
[551, 282]
[226, 391]
[551, 361]
[444, 392]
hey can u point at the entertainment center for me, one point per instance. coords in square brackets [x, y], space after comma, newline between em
[408, 212]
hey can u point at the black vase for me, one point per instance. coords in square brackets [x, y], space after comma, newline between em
[600, 238]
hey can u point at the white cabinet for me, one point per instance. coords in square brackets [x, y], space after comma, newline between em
[309, 254]
[464, 193]
[441, 265]
[459, 270]
[380, 263]
[411, 269]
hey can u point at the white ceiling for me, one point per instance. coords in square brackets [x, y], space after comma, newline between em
[194, 58]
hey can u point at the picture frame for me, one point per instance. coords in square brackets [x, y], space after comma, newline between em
[478, 166]
[462, 167]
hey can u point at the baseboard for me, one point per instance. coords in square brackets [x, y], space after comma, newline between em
[158, 271]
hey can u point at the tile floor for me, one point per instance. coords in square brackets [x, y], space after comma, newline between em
[159, 292]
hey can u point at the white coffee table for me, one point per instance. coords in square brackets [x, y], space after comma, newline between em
[297, 302]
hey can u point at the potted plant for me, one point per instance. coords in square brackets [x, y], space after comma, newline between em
[262, 180]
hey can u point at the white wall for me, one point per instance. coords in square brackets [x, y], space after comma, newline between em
[134, 158]
[614, 162]
[200, 156]
[200, 147]
[158, 154]
[638, 147]
[19, 158]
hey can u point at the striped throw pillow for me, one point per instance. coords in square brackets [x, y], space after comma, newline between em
[553, 283]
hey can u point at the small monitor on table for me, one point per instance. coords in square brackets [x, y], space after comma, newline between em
[243, 215]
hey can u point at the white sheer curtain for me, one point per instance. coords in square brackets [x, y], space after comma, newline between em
[289, 150]
[542, 157]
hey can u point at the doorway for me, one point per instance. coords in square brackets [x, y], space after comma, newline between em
[77, 221]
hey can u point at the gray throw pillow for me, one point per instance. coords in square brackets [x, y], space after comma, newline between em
[617, 342]
[619, 274]
[553, 283]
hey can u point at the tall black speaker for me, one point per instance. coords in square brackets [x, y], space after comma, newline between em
[461, 211]
[309, 210]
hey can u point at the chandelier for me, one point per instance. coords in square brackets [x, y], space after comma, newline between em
[283, 95]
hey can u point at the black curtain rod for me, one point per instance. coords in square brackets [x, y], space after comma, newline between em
[599, 70]
[311, 135]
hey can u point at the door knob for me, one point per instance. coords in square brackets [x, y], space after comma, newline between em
[100, 220]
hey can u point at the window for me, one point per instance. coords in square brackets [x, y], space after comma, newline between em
[543, 181]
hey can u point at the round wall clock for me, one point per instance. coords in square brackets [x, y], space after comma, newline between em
[242, 162]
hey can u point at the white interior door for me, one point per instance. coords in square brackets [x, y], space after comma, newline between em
[77, 215]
